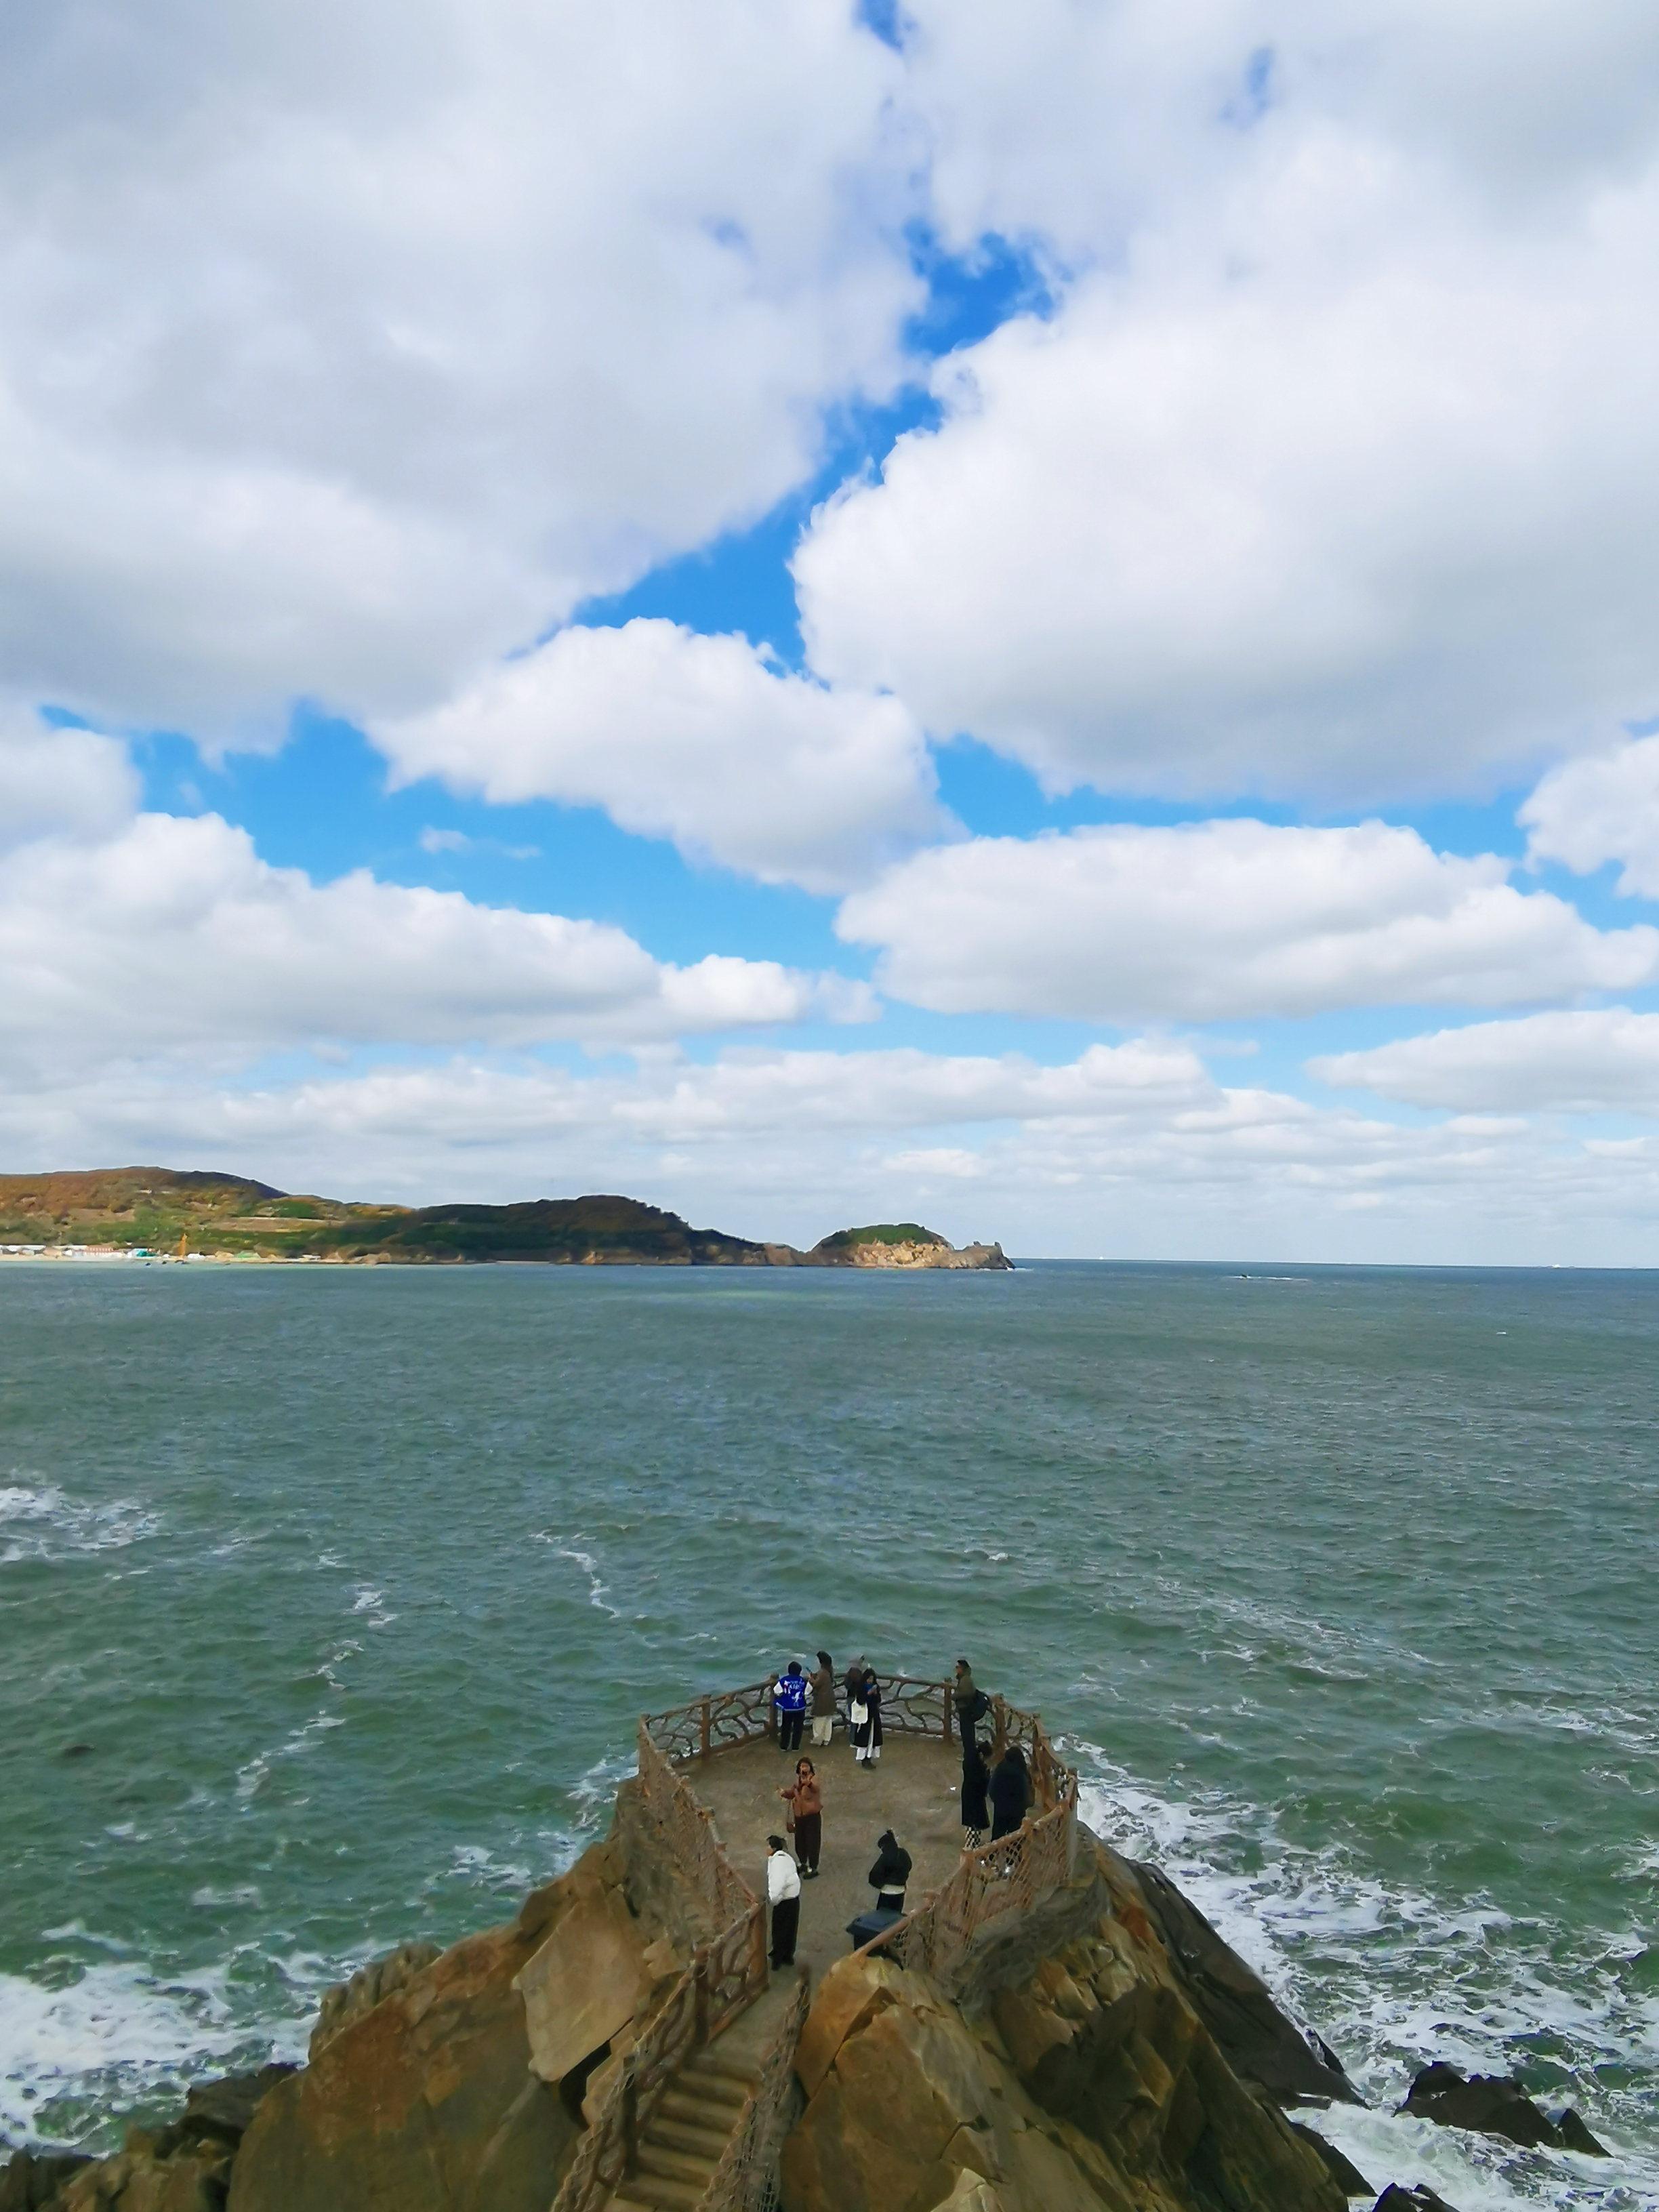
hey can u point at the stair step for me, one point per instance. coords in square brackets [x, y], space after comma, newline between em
[713, 2093]
[692, 2136]
[658, 2193]
[709, 2066]
[660, 2161]
[694, 2110]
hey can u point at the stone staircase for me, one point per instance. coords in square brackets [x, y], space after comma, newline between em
[687, 2133]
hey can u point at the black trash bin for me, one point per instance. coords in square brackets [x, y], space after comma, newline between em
[868, 1925]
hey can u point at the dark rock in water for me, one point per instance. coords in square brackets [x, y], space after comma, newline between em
[29, 2180]
[1342, 2170]
[1487, 2104]
[220, 2112]
[1575, 2135]
[1262, 2046]
[76, 1750]
[1420, 2199]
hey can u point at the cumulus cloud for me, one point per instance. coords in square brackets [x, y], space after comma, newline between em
[1606, 808]
[1142, 1155]
[700, 739]
[69, 781]
[344, 347]
[174, 938]
[1597, 1061]
[1331, 473]
[1220, 919]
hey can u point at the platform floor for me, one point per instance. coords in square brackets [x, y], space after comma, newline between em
[914, 1789]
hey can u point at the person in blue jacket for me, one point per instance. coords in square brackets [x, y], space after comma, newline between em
[789, 1696]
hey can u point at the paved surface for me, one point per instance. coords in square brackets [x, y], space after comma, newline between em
[913, 1790]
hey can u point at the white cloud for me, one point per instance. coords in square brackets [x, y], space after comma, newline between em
[1599, 1061]
[1139, 1155]
[1606, 808]
[174, 938]
[345, 347]
[1333, 471]
[1225, 919]
[69, 780]
[699, 739]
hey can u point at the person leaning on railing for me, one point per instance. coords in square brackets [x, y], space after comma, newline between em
[789, 1696]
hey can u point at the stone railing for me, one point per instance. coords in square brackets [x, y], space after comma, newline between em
[687, 1835]
[606, 2150]
[727, 1973]
[727, 1718]
[744, 2180]
[1001, 1878]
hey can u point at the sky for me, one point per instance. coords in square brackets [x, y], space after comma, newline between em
[1044, 620]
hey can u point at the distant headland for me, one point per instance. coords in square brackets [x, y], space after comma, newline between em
[169, 1213]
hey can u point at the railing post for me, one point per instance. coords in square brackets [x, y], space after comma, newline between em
[705, 1728]
[949, 1706]
[630, 2114]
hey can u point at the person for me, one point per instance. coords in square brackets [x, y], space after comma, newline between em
[789, 1696]
[890, 1875]
[975, 1775]
[851, 1682]
[971, 1703]
[866, 1731]
[824, 1702]
[783, 1893]
[1011, 1793]
[804, 1798]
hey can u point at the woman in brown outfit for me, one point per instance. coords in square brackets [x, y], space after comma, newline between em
[805, 1799]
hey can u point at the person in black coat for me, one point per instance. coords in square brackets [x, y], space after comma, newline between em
[1011, 1793]
[890, 1875]
[866, 1733]
[975, 1777]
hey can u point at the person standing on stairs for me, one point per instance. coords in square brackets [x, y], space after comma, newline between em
[804, 1798]
[783, 1893]
[789, 1696]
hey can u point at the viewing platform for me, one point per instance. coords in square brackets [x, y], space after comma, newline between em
[722, 2045]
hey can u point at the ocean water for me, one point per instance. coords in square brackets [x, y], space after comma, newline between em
[328, 1599]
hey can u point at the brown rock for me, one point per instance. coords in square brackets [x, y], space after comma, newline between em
[1236, 2005]
[422, 2103]
[847, 1998]
[583, 1983]
[1056, 2102]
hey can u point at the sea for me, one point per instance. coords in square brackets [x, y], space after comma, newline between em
[329, 1598]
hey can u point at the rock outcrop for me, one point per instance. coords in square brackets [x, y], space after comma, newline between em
[455, 2081]
[184, 2167]
[890, 1244]
[1261, 2046]
[1494, 2105]
[1085, 2080]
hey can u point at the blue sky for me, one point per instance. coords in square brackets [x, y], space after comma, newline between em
[834, 614]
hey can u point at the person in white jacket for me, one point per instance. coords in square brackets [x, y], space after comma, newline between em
[783, 1891]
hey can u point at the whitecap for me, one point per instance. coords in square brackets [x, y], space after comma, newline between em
[118, 2033]
[1392, 1977]
[45, 1523]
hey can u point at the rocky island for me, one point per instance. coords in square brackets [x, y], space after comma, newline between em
[1050, 2027]
[169, 1212]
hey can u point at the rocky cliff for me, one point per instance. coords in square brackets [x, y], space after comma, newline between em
[1111, 2056]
